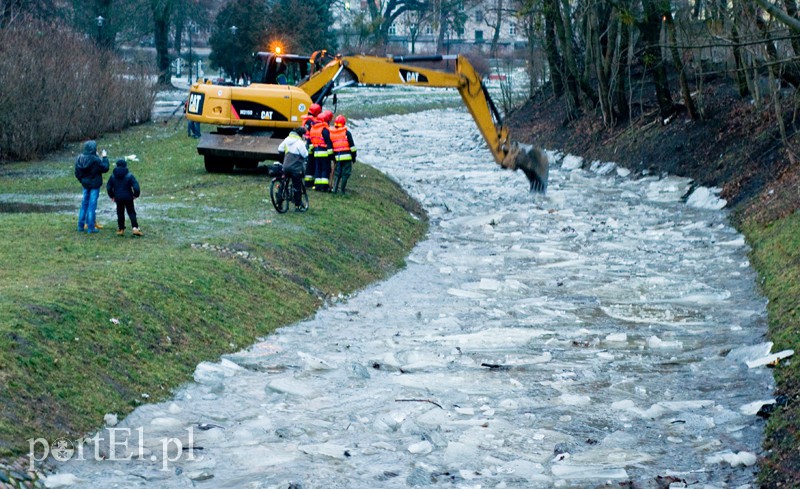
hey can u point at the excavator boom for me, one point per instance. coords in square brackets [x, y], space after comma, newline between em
[371, 70]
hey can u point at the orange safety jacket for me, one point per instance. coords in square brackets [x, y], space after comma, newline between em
[308, 121]
[341, 144]
[317, 140]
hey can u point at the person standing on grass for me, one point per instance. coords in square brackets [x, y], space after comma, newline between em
[89, 169]
[123, 189]
[344, 152]
[320, 137]
[308, 122]
[192, 127]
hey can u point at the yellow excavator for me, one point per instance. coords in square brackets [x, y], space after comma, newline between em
[251, 120]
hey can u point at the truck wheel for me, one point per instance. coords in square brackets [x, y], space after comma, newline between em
[216, 164]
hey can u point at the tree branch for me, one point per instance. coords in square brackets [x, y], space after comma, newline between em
[780, 14]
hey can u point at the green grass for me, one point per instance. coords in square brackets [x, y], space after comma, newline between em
[776, 256]
[91, 323]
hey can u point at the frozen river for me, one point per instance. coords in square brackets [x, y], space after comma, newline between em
[595, 337]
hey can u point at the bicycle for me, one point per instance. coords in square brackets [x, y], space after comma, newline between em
[281, 191]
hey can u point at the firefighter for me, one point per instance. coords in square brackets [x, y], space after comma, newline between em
[308, 122]
[344, 153]
[321, 141]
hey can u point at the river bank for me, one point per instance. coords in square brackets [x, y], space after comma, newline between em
[738, 150]
[99, 324]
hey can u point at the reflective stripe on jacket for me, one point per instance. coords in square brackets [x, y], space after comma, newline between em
[343, 147]
[339, 140]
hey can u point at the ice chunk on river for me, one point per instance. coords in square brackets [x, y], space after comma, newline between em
[706, 198]
[292, 387]
[331, 450]
[571, 162]
[213, 373]
[569, 471]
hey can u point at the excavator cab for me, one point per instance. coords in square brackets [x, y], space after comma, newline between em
[280, 69]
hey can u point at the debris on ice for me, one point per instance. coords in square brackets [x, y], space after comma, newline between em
[760, 362]
[752, 408]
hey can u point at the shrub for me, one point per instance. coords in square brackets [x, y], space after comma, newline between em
[58, 86]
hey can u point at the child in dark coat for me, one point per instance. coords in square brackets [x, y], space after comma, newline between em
[123, 188]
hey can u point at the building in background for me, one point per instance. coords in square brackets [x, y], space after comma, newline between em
[434, 32]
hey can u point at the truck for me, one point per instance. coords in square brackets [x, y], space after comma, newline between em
[251, 120]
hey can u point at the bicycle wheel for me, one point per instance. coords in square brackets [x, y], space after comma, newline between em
[277, 195]
[303, 199]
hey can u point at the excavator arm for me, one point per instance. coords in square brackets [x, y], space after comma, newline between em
[251, 120]
[370, 70]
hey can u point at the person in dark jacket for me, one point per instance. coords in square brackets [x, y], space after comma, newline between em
[123, 188]
[89, 169]
[295, 153]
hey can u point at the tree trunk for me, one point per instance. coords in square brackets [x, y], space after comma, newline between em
[497, 25]
[554, 59]
[553, 8]
[741, 73]
[650, 28]
[161, 14]
[572, 65]
[619, 70]
[178, 37]
[105, 33]
[678, 62]
[593, 41]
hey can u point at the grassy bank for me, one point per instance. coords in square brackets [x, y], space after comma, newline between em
[776, 256]
[92, 324]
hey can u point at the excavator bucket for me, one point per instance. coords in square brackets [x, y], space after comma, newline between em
[533, 163]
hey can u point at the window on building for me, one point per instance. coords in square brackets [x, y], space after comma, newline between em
[478, 37]
[479, 16]
[392, 30]
[428, 30]
[512, 31]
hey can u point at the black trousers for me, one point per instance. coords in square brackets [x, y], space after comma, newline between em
[122, 206]
[311, 168]
[297, 187]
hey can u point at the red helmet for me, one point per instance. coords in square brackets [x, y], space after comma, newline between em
[314, 109]
[340, 121]
[326, 115]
